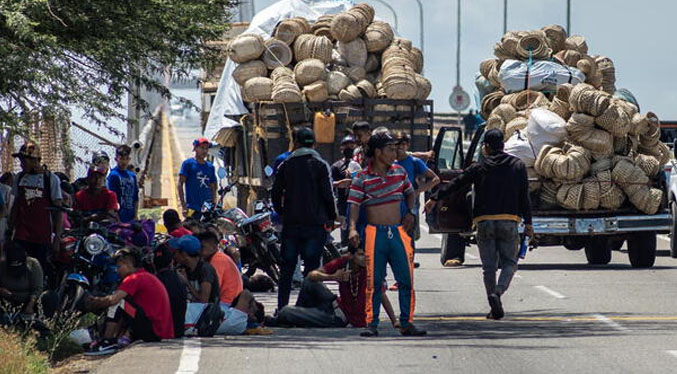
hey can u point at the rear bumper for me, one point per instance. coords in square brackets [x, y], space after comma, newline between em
[563, 226]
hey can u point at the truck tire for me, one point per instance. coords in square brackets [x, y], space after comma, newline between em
[453, 246]
[673, 230]
[598, 250]
[642, 249]
[616, 243]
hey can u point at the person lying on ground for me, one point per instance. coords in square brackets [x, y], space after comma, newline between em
[138, 310]
[317, 306]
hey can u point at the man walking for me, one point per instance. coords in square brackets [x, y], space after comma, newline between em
[31, 224]
[501, 203]
[380, 189]
[302, 193]
[199, 177]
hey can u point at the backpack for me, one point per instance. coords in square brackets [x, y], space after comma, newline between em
[209, 320]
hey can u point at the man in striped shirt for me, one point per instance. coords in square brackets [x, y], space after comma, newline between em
[380, 189]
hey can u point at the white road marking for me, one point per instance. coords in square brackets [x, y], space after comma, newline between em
[672, 353]
[609, 322]
[550, 292]
[664, 237]
[190, 357]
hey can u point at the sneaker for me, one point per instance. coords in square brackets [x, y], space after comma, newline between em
[369, 332]
[496, 306]
[124, 341]
[412, 330]
[453, 263]
[102, 347]
[394, 287]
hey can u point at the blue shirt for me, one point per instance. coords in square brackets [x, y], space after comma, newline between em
[415, 167]
[123, 183]
[198, 178]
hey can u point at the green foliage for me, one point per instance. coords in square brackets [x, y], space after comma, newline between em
[61, 53]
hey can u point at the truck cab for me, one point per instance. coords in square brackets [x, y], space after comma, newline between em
[599, 232]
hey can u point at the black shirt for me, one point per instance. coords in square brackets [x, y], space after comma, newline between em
[339, 172]
[204, 272]
[178, 294]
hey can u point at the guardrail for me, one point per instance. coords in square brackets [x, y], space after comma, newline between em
[141, 148]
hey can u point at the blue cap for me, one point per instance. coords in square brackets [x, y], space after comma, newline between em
[188, 244]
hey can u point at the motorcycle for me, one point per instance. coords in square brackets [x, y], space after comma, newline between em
[254, 236]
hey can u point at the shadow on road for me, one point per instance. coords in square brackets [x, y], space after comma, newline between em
[587, 267]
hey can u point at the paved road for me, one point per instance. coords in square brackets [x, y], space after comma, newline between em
[562, 316]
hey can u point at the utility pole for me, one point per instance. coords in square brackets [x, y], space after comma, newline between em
[421, 25]
[569, 17]
[458, 54]
[505, 16]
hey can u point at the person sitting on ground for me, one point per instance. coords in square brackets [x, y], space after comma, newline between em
[122, 181]
[138, 310]
[230, 279]
[194, 226]
[172, 223]
[96, 200]
[316, 306]
[21, 280]
[200, 276]
[176, 288]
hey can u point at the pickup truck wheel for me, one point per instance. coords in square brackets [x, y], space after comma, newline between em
[453, 247]
[673, 231]
[616, 243]
[642, 249]
[598, 250]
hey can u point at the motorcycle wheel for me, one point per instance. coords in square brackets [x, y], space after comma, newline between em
[70, 298]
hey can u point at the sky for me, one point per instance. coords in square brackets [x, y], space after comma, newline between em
[639, 36]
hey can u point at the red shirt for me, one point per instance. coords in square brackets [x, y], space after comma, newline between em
[230, 279]
[352, 294]
[151, 295]
[181, 231]
[105, 199]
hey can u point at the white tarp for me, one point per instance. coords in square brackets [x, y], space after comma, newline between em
[228, 100]
[517, 75]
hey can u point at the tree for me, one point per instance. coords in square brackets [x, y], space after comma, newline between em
[57, 54]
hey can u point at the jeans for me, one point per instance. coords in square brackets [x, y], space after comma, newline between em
[42, 253]
[494, 239]
[306, 241]
[314, 308]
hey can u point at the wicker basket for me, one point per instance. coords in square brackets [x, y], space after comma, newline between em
[556, 36]
[533, 45]
[277, 53]
[336, 81]
[528, 99]
[577, 43]
[518, 123]
[490, 102]
[350, 93]
[258, 89]
[310, 46]
[648, 164]
[354, 52]
[316, 92]
[591, 194]
[288, 30]
[372, 64]
[378, 36]
[366, 88]
[487, 66]
[568, 57]
[248, 70]
[245, 47]
[505, 111]
[615, 119]
[570, 196]
[606, 67]
[309, 71]
[495, 122]
[423, 87]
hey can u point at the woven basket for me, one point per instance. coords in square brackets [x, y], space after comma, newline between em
[570, 164]
[258, 89]
[366, 88]
[355, 73]
[287, 95]
[350, 93]
[568, 57]
[582, 131]
[585, 98]
[591, 194]
[288, 30]
[639, 124]
[529, 99]
[548, 194]
[570, 196]
[495, 122]
[648, 164]
[560, 108]
[322, 21]
[277, 53]
[354, 52]
[577, 43]
[248, 70]
[281, 71]
[487, 66]
[316, 92]
[366, 10]
[336, 81]
[489, 102]
[400, 86]
[556, 36]
[505, 111]
[606, 67]
[245, 47]
[423, 87]
[372, 64]
[402, 42]
[309, 71]
[615, 119]
[534, 45]
[310, 46]
[587, 65]
[660, 151]
[600, 166]
[518, 123]
[647, 200]
[417, 59]
[346, 26]
[378, 36]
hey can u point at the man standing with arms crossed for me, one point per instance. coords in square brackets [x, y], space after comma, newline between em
[381, 189]
[199, 177]
[501, 202]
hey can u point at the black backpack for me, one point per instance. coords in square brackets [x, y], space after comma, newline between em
[209, 320]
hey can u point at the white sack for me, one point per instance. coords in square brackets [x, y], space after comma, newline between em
[543, 75]
[545, 127]
[518, 145]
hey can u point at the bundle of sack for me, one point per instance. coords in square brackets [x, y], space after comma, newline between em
[346, 56]
[586, 144]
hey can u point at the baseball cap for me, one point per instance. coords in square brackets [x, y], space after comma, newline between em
[380, 140]
[494, 138]
[304, 136]
[100, 156]
[28, 150]
[361, 125]
[347, 139]
[96, 169]
[188, 244]
[201, 141]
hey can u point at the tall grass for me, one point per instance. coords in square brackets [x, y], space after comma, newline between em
[20, 356]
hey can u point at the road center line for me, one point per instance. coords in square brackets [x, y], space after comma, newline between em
[190, 357]
[550, 292]
[609, 322]
[672, 353]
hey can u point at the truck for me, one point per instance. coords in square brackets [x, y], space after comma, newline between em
[598, 232]
[251, 148]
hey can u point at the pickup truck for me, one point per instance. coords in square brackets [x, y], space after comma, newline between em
[599, 232]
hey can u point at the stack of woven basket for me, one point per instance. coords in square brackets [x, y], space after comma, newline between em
[346, 56]
[612, 153]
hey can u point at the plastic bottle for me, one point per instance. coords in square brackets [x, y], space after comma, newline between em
[523, 247]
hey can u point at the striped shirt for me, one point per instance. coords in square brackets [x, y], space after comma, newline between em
[371, 189]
